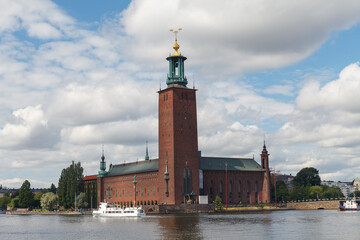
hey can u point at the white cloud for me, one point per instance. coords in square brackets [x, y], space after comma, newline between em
[325, 127]
[342, 93]
[90, 87]
[286, 90]
[41, 18]
[236, 36]
[125, 133]
[28, 128]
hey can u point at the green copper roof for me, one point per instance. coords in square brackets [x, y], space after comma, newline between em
[234, 164]
[134, 167]
[206, 163]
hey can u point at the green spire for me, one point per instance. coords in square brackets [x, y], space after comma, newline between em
[102, 171]
[147, 152]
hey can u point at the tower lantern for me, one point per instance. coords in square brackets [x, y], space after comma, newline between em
[176, 75]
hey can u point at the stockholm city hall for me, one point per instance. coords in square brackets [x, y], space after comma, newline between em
[180, 174]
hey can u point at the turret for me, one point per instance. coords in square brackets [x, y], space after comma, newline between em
[176, 75]
[147, 152]
[102, 171]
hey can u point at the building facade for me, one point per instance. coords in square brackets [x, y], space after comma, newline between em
[181, 174]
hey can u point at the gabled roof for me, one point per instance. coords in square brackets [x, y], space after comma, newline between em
[134, 167]
[233, 164]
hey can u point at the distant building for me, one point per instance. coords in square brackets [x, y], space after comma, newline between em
[181, 174]
[287, 178]
[345, 187]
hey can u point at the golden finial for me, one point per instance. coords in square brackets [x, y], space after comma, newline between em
[176, 45]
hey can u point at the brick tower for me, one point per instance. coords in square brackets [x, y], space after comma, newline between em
[265, 166]
[178, 141]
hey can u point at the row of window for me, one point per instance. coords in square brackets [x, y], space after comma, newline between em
[124, 192]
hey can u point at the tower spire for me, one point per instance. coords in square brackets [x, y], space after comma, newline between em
[176, 45]
[147, 151]
[176, 75]
[102, 171]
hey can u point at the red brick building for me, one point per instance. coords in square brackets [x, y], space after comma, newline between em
[181, 174]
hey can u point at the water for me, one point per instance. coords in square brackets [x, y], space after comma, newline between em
[318, 224]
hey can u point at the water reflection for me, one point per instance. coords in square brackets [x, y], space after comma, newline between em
[180, 227]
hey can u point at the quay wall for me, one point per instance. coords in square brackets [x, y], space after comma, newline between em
[314, 205]
[46, 213]
[187, 208]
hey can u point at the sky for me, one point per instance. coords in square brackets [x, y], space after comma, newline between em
[78, 74]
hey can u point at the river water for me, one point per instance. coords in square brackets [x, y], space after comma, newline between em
[318, 224]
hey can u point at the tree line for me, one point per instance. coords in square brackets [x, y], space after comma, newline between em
[70, 191]
[305, 185]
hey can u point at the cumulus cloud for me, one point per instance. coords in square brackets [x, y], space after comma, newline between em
[339, 94]
[327, 119]
[28, 129]
[90, 104]
[41, 18]
[77, 88]
[236, 36]
[124, 133]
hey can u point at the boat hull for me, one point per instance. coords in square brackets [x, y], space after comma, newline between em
[349, 209]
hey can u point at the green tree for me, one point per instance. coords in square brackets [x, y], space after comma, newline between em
[26, 196]
[282, 192]
[299, 193]
[332, 192]
[49, 201]
[14, 202]
[52, 189]
[307, 177]
[4, 201]
[356, 193]
[218, 204]
[81, 201]
[37, 197]
[70, 182]
[315, 192]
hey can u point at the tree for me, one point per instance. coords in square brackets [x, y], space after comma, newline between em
[218, 204]
[14, 202]
[307, 177]
[315, 192]
[37, 198]
[299, 193]
[49, 201]
[52, 189]
[81, 201]
[4, 201]
[70, 182]
[356, 193]
[26, 196]
[282, 192]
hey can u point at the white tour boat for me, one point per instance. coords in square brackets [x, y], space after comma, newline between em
[111, 210]
[350, 205]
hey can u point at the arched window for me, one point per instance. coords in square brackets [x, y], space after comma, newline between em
[256, 192]
[248, 191]
[230, 191]
[239, 190]
[221, 187]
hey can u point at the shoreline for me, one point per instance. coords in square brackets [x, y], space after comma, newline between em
[87, 213]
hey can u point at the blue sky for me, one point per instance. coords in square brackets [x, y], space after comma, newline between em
[79, 74]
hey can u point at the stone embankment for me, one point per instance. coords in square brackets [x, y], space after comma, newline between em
[331, 204]
[47, 213]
